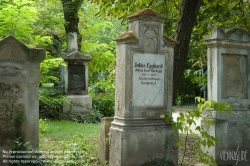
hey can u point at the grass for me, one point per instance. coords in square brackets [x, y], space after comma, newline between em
[61, 134]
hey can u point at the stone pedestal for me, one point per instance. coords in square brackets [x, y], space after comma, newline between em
[103, 148]
[75, 75]
[228, 81]
[144, 76]
[19, 100]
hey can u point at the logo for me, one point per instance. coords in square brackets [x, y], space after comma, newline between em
[237, 155]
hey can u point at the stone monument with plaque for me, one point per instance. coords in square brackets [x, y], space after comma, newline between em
[228, 81]
[75, 75]
[144, 78]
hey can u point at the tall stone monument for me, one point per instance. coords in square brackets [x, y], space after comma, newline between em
[144, 78]
[75, 75]
[19, 100]
[229, 81]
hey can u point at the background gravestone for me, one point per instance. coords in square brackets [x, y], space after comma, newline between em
[19, 80]
[144, 76]
[229, 81]
[75, 76]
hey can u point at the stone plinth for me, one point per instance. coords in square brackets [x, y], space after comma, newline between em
[75, 75]
[144, 76]
[103, 148]
[228, 81]
[19, 81]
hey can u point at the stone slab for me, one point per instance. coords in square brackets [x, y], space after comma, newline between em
[148, 80]
[78, 104]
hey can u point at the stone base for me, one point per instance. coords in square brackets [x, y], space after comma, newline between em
[103, 149]
[137, 142]
[233, 131]
[78, 104]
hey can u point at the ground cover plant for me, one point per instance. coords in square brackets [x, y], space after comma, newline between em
[70, 143]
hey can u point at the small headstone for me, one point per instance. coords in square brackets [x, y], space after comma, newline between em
[19, 81]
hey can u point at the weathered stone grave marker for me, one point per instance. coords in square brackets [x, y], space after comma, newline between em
[75, 76]
[229, 81]
[144, 76]
[19, 80]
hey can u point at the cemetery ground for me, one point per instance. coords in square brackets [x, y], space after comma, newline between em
[82, 139]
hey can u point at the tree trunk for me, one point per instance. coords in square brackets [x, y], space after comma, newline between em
[70, 9]
[187, 17]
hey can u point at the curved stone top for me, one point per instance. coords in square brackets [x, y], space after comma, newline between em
[147, 14]
[13, 50]
[236, 34]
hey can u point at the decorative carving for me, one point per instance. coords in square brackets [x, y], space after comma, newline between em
[10, 71]
[150, 41]
[234, 76]
[9, 107]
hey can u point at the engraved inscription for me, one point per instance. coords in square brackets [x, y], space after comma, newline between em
[148, 80]
[76, 78]
[234, 76]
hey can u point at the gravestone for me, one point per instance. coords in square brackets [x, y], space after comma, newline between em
[228, 81]
[19, 81]
[144, 77]
[75, 75]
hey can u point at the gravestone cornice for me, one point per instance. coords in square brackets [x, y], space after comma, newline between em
[14, 50]
[76, 55]
[127, 37]
[169, 41]
[147, 14]
[235, 34]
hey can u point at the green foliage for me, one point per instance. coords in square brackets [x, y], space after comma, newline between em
[103, 95]
[76, 152]
[185, 120]
[52, 90]
[43, 126]
[47, 67]
[17, 17]
[27, 150]
[51, 100]
[122, 9]
[94, 117]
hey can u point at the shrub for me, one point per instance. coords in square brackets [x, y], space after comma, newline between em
[51, 101]
[103, 95]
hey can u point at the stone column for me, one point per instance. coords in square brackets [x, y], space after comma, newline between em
[19, 81]
[228, 81]
[75, 75]
[144, 77]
